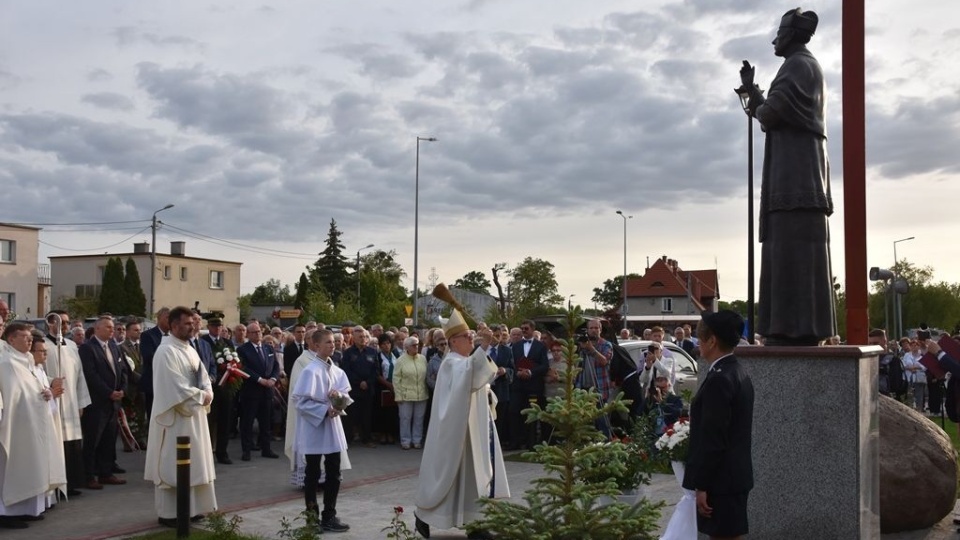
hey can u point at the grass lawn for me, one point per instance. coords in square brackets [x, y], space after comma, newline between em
[950, 428]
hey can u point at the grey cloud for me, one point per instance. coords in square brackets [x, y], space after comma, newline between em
[130, 35]
[440, 45]
[8, 80]
[99, 75]
[108, 100]
[643, 29]
[377, 62]
[918, 136]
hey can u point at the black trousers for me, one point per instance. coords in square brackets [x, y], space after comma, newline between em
[99, 428]
[221, 419]
[331, 486]
[934, 395]
[522, 434]
[73, 462]
[256, 406]
[362, 412]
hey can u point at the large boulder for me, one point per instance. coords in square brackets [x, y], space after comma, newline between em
[918, 469]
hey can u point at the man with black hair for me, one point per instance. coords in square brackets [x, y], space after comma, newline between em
[719, 466]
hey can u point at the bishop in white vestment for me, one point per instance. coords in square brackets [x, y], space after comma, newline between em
[462, 460]
[181, 401]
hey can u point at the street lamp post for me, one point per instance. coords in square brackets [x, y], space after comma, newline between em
[358, 273]
[744, 95]
[570, 302]
[153, 258]
[897, 302]
[624, 310]
[416, 227]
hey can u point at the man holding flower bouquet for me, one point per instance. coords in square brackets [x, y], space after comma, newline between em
[719, 465]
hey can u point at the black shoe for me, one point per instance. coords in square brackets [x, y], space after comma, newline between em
[7, 522]
[198, 517]
[118, 470]
[224, 459]
[334, 525]
[168, 522]
[74, 492]
[29, 518]
[421, 527]
[256, 448]
[479, 534]
[269, 454]
[245, 456]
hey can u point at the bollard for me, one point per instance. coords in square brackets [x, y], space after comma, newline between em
[183, 487]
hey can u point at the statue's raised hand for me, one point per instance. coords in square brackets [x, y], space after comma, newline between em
[746, 74]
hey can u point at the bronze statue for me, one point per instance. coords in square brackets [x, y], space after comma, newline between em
[796, 300]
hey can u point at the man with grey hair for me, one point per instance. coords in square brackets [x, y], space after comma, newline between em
[256, 394]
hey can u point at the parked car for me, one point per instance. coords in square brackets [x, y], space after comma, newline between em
[686, 369]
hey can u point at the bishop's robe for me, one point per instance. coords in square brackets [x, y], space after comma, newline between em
[462, 460]
[180, 384]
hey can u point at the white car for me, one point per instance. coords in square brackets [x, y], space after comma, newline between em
[686, 366]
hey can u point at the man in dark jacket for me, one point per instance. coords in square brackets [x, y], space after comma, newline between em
[719, 466]
[360, 363]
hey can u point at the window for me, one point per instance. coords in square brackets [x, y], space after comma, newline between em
[166, 271]
[183, 273]
[87, 291]
[666, 305]
[8, 252]
[11, 300]
[216, 279]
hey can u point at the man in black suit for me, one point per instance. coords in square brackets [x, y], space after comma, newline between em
[256, 395]
[105, 376]
[502, 356]
[149, 341]
[719, 466]
[221, 410]
[294, 349]
[531, 365]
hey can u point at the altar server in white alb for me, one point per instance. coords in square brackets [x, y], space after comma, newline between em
[298, 463]
[63, 362]
[31, 460]
[181, 401]
[321, 393]
[462, 460]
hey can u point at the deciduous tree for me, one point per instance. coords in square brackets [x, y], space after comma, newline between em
[611, 293]
[533, 286]
[271, 292]
[473, 281]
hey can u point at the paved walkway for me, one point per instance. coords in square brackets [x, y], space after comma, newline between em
[259, 492]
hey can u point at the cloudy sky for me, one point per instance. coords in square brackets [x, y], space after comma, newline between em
[262, 121]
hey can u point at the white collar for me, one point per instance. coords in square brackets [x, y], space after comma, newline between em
[719, 359]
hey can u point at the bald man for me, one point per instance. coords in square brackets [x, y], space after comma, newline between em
[256, 395]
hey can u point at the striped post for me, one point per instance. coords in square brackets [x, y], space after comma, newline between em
[183, 487]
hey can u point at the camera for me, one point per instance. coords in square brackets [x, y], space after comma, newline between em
[924, 332]
[583, 338]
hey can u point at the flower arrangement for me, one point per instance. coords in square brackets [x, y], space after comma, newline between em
[230, 370]
[674, 444]
[339, 401]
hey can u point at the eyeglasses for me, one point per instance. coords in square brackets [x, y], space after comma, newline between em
[440, 343]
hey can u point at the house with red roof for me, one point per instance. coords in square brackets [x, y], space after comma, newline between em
[668, 295]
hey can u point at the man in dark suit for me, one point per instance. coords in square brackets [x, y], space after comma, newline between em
[502, 356]
[360, 362]
[203, 348]
[719, 466]
[256, 395]
[139, 422]
[221, 410]
[294, 349]
[105, 376]
[149, 341]
[531, 364]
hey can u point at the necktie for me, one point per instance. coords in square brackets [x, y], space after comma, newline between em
[109, 355]
[136, 348]
[261, 355]
[194, 344]
[493, 353]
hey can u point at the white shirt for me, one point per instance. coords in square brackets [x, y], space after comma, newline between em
[317, 433]
[913, 360]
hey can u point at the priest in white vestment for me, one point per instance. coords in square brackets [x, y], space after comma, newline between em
[319, 430]
[27, 433]
[51, 394]
[181, 401]
[63, 362]
[298, 463]
[462, 461]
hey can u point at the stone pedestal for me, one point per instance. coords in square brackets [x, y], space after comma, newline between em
[815, 442]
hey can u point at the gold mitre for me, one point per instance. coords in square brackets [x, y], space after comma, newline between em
[454, 325]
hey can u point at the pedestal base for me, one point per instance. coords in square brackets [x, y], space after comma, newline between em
[815, 442]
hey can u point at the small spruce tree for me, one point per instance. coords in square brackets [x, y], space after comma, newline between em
[579, 469]
[136, 301]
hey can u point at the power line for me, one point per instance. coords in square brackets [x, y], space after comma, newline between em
[96, 248]
[83, 224]
[228, 243]
[242, 247]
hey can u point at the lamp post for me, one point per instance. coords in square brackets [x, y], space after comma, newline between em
[570, 302]
[153, 258]
[358, 273]
[744, 95]
[625, 218]
[416, 227]
[898, 306]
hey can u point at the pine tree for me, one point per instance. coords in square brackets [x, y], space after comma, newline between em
[111, 289]
[136, 301]
[578, 470]
[330, 272]
[303, 291]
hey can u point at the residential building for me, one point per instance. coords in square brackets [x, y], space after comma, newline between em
[477, 304]
[24, 283]
[210, 284]
[670, 296]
